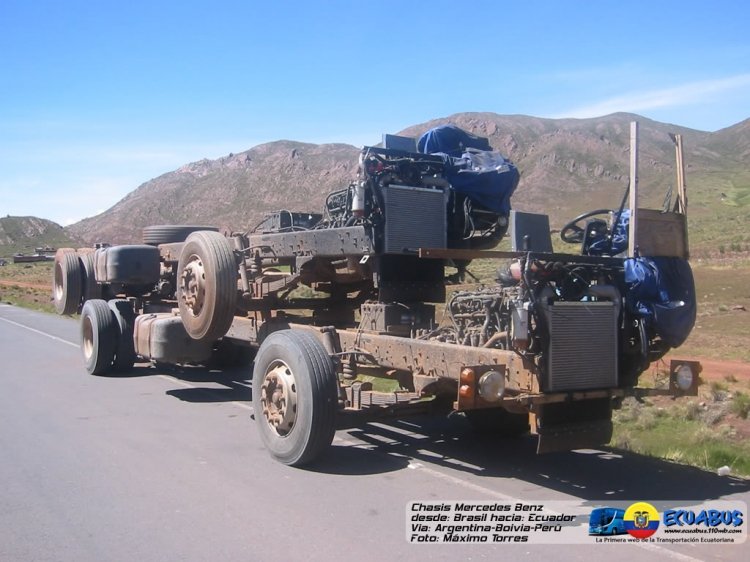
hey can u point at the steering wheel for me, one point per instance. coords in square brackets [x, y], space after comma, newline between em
[572, 233]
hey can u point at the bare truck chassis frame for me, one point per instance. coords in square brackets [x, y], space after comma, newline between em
[552, 347]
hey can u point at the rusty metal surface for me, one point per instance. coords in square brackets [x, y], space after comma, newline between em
[171, 252]
[440, 253]
[352, 241]
[436, 359]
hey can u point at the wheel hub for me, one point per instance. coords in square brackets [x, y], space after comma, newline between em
[59, 282]
[278, 398]
[88, 338]
[193, 285]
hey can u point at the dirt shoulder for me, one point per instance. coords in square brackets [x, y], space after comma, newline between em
[37, 286]
[717, 369]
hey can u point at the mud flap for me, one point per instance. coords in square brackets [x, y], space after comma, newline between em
[566, 437]
[573, 425]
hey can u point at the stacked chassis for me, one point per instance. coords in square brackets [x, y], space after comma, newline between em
[552, 347]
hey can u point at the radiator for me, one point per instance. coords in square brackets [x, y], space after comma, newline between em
[583, 346]
[415, 217]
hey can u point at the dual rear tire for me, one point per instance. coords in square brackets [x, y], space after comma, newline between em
[107, 336]
[74, 280]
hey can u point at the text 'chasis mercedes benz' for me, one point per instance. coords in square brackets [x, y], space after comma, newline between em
[550, 348]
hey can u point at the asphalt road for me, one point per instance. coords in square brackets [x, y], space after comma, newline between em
[167, 465]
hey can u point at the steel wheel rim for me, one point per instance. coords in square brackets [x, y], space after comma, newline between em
[193, 285]
[87, 342]
[278, 398]
[59, 280]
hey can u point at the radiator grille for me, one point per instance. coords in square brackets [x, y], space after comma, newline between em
[583, 346]
[414, 218]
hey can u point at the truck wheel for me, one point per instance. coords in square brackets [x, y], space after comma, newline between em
[66, 281]
[207, 285]
[295, 396]
[98, 336]
[125, 349]
[498, 421]
[91, 289]
[171, 233]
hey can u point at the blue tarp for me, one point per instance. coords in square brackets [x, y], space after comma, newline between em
[450, 140]
[474, 169]
[662, 292]
[619, 242]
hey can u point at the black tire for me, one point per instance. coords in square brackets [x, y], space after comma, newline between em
[125, 350]
[98, 336]
[66, 281]
[498, 421]
[308, 371]
[171, 233]
[90, 288]
[207, 285]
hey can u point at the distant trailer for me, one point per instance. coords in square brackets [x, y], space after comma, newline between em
[21, 258]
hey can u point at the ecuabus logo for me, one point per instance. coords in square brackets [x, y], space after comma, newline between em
[641, 520]
[705, 517]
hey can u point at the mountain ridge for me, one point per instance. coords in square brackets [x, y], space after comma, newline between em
[25, 234]
[567, 166]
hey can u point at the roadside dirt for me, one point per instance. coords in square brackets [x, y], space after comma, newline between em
[721, 381]
[40, 287]
[717, 369]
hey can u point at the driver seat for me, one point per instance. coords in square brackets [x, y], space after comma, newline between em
[596, 232]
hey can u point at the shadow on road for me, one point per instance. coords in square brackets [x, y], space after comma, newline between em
[587, 474]
[206, 385]
[450, 443]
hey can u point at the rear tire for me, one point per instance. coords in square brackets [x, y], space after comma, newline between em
[66, 281]
[295, 396]
[91, 289]
[125, 349]
[207, 285]
[98, 336]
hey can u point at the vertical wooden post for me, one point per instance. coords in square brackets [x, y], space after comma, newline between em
[632, 242]
[681, 206]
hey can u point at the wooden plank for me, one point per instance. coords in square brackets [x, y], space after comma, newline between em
[633, 242]
[662, 234]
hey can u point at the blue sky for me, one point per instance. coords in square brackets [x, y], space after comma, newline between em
[99, 97]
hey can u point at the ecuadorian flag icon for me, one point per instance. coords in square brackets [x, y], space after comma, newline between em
[641, 520]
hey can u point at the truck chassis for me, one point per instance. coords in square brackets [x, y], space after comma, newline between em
[552, 347]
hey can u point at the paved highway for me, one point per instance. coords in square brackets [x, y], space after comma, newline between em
[165, 464]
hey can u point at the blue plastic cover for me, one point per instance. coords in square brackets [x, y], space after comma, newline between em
[662, 292]
[450, 140]
[618, 243]
[474, 170]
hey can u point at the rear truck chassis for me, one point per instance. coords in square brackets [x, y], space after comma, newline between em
[552, 348]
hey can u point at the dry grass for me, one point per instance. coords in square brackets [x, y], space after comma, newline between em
[27, 284]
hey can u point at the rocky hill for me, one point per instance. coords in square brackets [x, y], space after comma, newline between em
[232, 192]
[568, 166]
[24, 234]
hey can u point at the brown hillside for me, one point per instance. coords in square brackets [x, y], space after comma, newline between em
[232, 192]
[567, 165]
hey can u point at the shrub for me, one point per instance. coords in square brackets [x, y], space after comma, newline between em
[741, 405]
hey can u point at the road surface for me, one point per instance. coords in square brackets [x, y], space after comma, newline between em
[167, 465]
